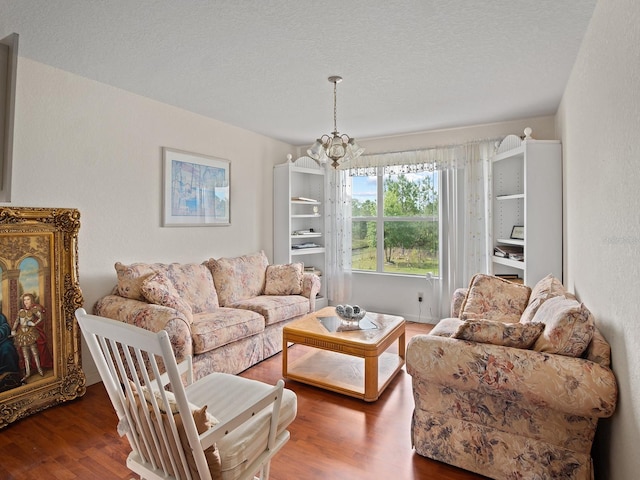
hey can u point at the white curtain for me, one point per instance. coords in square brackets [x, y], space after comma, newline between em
[465, 213]
[338, 237]
[465, 220]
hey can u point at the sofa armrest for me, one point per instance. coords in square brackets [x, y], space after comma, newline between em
[310, 288]
[570, 385]
[151, 317]
[456, 301]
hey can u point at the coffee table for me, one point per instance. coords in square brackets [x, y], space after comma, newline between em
[358, 363]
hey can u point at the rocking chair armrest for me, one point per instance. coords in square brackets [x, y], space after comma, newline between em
[185, 368]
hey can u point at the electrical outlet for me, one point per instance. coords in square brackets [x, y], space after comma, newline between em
[420, 296]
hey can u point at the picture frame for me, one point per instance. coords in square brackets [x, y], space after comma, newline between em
[517, 232]
[40, 338]
[196, 189]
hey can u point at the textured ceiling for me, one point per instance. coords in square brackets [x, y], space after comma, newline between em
[408, 65]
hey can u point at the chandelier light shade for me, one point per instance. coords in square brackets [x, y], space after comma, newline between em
[338, 147]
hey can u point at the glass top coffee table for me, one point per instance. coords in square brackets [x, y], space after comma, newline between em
[358, 363]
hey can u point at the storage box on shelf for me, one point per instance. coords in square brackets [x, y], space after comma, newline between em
[527, 193]
[299, 220]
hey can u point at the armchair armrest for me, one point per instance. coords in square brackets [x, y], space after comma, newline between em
[310, 288]
[151, 317]
[571, 385]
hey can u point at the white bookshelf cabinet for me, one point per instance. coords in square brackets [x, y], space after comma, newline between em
[527, 191]
[298, 217]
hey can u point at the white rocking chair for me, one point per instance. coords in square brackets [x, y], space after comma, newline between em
[250, 421]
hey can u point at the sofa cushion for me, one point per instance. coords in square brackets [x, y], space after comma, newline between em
[131, 277]
[284, 279]
[158, 289]
[546, 288]
[446, 327]
[238, 278]
[194, 284]
[211, 330]
[494, 298]
[518, 335]
[275, 308]
[569, 327]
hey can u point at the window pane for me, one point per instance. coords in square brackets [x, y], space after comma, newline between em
[363, 246]
[364, 191]
[411, 194]
[411, 247]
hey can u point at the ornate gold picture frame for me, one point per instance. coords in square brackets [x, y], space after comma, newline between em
[40, 361]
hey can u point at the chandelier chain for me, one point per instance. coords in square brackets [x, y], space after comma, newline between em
[335, 108]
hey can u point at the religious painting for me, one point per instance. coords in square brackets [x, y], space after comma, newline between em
[196, 189]
[40, 364]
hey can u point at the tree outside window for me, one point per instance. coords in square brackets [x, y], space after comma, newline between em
[396, 223]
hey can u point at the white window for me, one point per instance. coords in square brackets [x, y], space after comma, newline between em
[395, 215]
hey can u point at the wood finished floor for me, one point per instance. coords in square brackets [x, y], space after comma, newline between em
[333, 437]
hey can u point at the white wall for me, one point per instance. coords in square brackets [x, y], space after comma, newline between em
[82, 144]
[598, 122]
[395, 294]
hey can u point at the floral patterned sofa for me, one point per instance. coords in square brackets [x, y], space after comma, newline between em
[226, 313]
[514, 385]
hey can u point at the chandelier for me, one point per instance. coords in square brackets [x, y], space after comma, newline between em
[338, 147]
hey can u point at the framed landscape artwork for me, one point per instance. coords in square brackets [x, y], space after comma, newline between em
[40, 359]
[196, 189]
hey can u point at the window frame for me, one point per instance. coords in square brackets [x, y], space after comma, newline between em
[380, 220]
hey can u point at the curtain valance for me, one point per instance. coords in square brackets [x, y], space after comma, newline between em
[429, 159]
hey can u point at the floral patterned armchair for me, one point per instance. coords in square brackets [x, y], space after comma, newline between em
[517, 400]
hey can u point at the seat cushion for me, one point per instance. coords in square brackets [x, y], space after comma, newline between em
[446, 327]
[275, 308]
[225, 325]
[242, 445]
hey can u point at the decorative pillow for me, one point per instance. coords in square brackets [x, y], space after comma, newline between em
[494, 298]
[239, 278]
[130, 278]
[194, 284]
[203, 423]
[546, 288]
[158, 289]
[284, 279]
[518, 335]
[211, 421]
[569, 327]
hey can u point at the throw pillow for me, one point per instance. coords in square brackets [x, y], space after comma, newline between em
[158, 289]
[284, 279]
[238, 278]
[130, 278]
[493, 298]
[203, 423]
[518, 335]
[569, 327]
[210, 420]
[546, 288]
